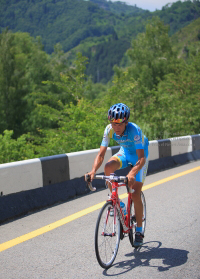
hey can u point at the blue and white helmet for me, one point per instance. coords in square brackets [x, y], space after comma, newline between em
[118, 113]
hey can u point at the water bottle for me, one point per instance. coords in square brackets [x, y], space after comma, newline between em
[123, 207]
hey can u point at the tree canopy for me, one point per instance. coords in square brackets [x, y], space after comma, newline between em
[49, 106]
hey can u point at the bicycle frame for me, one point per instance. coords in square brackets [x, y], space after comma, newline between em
[125, 220]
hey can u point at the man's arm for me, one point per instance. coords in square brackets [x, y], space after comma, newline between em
[98, 161]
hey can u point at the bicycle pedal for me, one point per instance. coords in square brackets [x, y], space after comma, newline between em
[121, 236]
[121, 232]
[133, 219]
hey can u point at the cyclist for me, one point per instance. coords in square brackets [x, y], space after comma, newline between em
[133, 150]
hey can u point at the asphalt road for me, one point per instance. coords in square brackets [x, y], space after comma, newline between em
[58, 242]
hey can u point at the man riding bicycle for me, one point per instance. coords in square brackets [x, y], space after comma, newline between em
[133, 150]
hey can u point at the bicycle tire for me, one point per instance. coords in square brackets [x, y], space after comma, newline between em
[133, 219]
[106, 243]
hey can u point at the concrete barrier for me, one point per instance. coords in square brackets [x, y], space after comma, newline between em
[181, 145]
[81, 162]
[33, 184]
[20, 176]
[153, 150]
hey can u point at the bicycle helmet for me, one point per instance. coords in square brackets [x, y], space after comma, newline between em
[118, 113]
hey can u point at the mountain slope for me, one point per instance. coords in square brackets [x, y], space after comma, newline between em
[100, 29]
[187, 39]
[65, 21]
[119, 8]
[71, 21]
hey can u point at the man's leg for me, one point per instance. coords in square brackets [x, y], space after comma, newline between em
[110, 167]
[136, 197]
[138, 206]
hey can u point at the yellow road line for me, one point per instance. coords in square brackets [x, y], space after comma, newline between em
[49, 227]
[20, 239]
[165, 180]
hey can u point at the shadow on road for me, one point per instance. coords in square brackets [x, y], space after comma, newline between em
[151, 255]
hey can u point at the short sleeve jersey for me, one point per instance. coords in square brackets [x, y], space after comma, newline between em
[130, 141]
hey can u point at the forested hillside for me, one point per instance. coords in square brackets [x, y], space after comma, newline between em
[48, 107]
[119, 8]
[186, 40]
[102, 30]
[65, 21]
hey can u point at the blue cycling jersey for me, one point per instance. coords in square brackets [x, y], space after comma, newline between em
[129, 142]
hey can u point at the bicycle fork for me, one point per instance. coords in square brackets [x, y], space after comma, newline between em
[105, 224]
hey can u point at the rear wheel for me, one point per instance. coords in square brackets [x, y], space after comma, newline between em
[133, 222]
[107, 236]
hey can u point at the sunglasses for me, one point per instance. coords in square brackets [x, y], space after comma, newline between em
[117, 120]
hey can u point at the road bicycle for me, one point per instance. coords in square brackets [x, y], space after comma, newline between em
[111, 228]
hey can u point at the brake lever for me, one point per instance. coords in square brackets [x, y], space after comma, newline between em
[89, 183]
[126, 182]
[129, 190]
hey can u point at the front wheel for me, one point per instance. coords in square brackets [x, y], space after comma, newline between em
[107, 236]
[133, 221]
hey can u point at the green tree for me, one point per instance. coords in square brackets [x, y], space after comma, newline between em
[179, 102]
[7, 85]
[151, 54]
[23, 66]
[48, 107]
[12, 150]
[81, 128]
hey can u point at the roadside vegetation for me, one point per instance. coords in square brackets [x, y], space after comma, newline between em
[48, 107]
